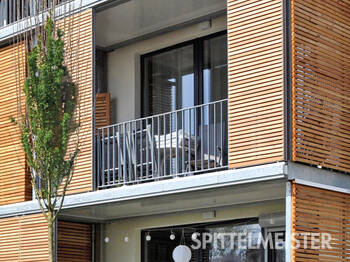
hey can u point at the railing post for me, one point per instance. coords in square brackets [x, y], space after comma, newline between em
[98, 161]
[125, 171]
[108, 157]
[114, 144]
[103, 157]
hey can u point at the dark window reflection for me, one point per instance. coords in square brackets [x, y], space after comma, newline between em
[185, 75]
[160, 247]
[169, 80]
[277, 254]
[215, 69]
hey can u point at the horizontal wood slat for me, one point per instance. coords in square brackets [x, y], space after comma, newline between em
[316, 210]
[74, 242]
[255, 93]
[103, 110]
[78, 47]
[24, 239]
[321, 83]
[14, 179]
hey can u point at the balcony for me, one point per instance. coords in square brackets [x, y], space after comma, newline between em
[12, 11]
[175, 144]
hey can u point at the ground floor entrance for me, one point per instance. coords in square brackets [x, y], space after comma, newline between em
[250, 232]
[224, 241]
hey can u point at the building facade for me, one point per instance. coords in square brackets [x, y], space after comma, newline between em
[197, 117]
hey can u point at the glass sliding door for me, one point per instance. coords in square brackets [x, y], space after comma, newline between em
[180, 77]
[215, 69]
[232, 241]
[185, 75]
[168, 81]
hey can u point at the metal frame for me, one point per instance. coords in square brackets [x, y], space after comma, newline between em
[93, 242]
[94, 176]
[271, 230]
[142, 150]
[16, 10]
[288, 226]
[287, 81]
[197, 64]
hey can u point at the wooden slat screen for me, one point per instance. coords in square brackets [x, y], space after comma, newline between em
[103, 110]
[78, 47]
[255, 73]
[321, 82]
[14, 179]
[24, 239]
[74, 242]
[316, 210]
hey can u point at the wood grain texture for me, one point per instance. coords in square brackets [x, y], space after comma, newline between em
[103, 109]
[74, 242]
[316, 210]
[15, 183]
[256, 89]
[321, 83]
[24, 239]
[79, 51]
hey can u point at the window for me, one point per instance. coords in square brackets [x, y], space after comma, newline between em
[160, 247]
[185, 75]
[276, 253]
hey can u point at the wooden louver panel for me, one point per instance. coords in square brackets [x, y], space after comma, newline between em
[321, 82]
[74, 242]
[14, 179]
[78, 57]
[24, 239]
[317, 210]
[103, 110]
[255, 72]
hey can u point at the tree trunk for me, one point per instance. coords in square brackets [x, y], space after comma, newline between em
[51, 238]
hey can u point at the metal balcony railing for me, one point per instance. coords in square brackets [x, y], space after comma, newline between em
[14, 10]
[179, 143]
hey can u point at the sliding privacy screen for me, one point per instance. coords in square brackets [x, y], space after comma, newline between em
[256, 83]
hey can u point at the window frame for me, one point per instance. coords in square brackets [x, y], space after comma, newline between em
[200, 226]
[272, 230]
[198, 62]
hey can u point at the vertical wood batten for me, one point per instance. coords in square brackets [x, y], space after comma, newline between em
[320, 82]
[79, 51]
[256, 82]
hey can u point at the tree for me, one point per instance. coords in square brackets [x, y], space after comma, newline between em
[46, 128]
